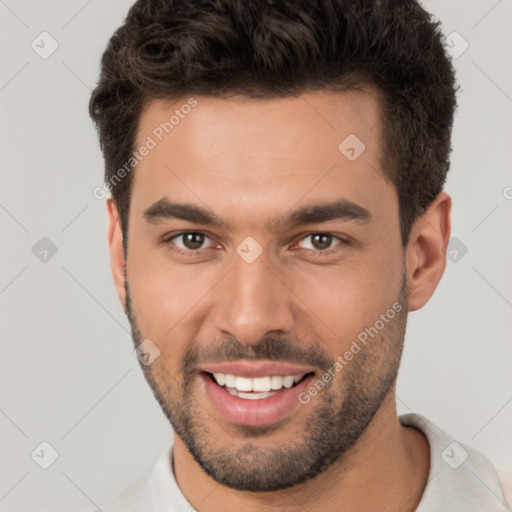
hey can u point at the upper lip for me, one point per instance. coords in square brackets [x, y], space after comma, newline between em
[255, 369]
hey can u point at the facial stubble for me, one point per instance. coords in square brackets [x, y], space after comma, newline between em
[332, 423]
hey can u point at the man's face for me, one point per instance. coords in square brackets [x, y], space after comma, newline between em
[264, 293]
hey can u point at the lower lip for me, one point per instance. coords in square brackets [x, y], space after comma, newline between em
[263, 411]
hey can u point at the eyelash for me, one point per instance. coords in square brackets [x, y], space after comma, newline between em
[189, 252]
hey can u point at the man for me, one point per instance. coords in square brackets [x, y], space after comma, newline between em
[277, 170]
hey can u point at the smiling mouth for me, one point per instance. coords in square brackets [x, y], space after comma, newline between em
[256, 388]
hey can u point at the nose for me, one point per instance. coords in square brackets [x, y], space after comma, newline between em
[253, 301]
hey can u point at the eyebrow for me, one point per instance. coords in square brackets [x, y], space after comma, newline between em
[342, 209]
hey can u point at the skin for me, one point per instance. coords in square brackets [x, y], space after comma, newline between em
[250, 161]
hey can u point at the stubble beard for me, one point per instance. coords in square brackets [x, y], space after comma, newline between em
[332, 421]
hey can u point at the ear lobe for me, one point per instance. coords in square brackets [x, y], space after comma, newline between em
[426, 251]
[115, 245]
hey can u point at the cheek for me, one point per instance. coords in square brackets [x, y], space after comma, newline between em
[351, 297]
[164, 295]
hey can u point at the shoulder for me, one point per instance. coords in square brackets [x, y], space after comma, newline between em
[156, 491]
[461, 479]
[134, 498]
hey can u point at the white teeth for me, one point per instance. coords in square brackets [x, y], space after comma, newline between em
[230, 381]
[249, 396]
[288, 381]
[276, 382]
[255, 396]
[220, 378]
[260, 385]
[243, 384]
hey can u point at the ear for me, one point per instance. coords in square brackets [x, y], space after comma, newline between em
[426, 251]
[115, 246]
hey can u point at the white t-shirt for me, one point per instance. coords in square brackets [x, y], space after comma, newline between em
[460, 480]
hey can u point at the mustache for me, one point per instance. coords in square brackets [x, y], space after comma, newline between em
[270, 348]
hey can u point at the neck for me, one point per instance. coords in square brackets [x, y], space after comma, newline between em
[385, 470]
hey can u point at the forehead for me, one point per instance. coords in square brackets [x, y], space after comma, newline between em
[317, 118]
[261, 152]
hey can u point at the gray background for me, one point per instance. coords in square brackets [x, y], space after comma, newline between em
[68, 375]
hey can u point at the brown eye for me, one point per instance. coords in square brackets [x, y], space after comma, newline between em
[193, 240]
[190, 240]
[320, 241]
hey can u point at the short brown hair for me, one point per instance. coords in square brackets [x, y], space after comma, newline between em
[167, 49]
